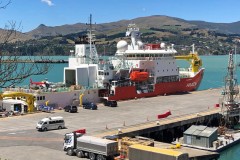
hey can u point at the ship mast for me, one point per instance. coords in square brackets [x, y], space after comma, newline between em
[230, 105]
[91, 37]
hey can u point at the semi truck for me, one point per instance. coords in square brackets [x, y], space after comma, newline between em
[89, 146]
[126, 148]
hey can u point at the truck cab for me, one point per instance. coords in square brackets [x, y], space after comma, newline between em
[70, 141]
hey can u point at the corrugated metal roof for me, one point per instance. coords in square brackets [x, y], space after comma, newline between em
[200, 130]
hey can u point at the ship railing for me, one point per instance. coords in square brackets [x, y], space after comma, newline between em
[24, 90]
[185, 69]
[18, 89]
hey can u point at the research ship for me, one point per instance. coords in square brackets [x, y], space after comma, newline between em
[147, 70]
[137, 70]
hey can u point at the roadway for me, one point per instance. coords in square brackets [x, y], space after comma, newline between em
[19, 139]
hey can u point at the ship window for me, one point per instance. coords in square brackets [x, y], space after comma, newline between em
[42, 98]
[38, 98]
[163, 70]
[100, 73]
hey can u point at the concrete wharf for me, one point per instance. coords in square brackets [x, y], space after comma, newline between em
[18, 133]
[161, 124]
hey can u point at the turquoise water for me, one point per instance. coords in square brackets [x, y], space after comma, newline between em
[215, 71]
[232, 153]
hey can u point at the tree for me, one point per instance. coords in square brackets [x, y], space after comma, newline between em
[14, 68]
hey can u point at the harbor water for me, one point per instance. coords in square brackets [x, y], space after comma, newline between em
[215, 71]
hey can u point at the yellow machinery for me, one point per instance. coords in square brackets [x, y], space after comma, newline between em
[193, 59]
[28, 98]
[81, 99]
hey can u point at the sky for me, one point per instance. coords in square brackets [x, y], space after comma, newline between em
[31, 13]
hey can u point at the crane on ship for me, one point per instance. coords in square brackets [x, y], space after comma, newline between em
[193, 59]
[230, 109]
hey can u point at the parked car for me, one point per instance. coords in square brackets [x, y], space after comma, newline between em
[90, 105]
[70, 109]
[110, 103]
[45, 108]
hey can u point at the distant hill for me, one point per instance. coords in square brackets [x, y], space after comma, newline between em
[226, 28]
[209, 38]
[142, 22]
[18, 36]
[156, 21]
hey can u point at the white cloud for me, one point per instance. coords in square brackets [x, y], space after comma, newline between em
[49, 2]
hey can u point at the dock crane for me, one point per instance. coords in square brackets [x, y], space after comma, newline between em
[230, 103]
[193, 59]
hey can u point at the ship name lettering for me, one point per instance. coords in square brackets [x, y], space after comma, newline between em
[191, 84]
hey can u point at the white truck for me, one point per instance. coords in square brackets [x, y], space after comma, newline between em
[89, 146]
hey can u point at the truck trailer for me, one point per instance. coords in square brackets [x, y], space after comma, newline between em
[89, 146]
[143, 152]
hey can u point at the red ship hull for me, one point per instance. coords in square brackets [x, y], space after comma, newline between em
[184, 85]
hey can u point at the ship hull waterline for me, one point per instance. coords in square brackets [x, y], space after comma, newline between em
[182, 86]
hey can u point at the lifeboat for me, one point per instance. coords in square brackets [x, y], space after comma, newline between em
[139, 76]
